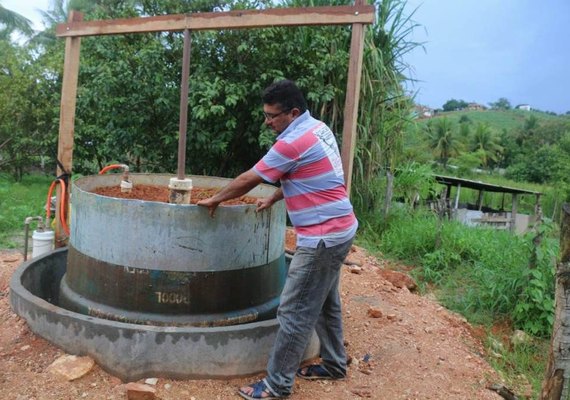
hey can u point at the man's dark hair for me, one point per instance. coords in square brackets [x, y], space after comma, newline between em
[285, 93]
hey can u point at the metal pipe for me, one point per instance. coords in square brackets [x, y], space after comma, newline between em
[27, 222]
[184, 106]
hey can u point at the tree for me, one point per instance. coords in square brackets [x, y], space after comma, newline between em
[442, 140]
[11, 21]
[486, 143]
[546, 164]
[454, 105]
[501, 104]
[22, 138]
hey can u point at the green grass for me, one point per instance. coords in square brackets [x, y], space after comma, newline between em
[521, 365]
[19, 200]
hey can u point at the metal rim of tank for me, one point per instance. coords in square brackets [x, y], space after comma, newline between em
[132, 351]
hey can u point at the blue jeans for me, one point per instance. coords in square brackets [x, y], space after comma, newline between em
[310, 300]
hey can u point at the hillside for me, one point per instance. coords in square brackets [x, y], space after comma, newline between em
[498, 120]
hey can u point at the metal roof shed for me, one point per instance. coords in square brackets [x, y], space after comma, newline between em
[482, 187]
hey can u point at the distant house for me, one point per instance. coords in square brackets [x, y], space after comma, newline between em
[476, 107]
[524, 107]
[423, 111]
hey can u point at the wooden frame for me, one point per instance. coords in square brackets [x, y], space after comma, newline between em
[75, 28]
[340, 15]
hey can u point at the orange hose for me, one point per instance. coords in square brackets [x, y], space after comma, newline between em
[62, 204]
[63, 208]
[48, 203]
[110, 167]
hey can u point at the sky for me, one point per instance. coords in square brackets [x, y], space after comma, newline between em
[474, 50]
[482, 50]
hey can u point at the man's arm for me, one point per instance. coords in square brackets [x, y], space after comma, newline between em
[238, 187]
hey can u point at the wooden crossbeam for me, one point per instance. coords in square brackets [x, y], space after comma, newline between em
[337, 15]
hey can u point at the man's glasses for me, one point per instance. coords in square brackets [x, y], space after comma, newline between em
[270, 116]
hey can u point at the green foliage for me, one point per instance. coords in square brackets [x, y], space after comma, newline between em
[534, 311]
[11, 21]
[538, 151]
[466, 163]
[19, 200]
[501, 104]
[464, 119]
[519, 365]
[454, 105]
[546, 164]
[22, 135]
[482, 273]
[443, 140]
[406, 236]
[485, 143]
[413, 181]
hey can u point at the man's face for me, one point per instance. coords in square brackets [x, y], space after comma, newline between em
[278, 118]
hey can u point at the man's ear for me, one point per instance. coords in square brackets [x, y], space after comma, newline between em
[295, 112]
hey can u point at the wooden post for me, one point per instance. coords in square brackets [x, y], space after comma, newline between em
[556, 383]
[480, 200]
[183, 124]
[537, 210]
[352, 99]
[67, 120]
[442, 209]
[457, 196]
[514, 211]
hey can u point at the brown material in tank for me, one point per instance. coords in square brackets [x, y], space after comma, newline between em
[161, 194]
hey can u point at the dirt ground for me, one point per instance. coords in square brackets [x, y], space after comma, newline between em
[412, 349]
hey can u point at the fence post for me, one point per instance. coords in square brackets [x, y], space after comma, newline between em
[557, 378]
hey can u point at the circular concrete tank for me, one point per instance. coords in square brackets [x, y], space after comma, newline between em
[134, 351]
[156, 263]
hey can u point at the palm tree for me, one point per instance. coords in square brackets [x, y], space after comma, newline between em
[485, 143]
[443, 140]
[11, 21]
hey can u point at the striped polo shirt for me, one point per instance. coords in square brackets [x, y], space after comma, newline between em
[305, 158]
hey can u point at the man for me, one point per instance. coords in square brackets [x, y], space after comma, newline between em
[305, 158]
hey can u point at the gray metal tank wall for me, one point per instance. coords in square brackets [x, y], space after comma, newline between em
[165, 264]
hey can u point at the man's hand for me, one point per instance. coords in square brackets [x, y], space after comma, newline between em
[211, 204]
[267, 202]
[264, 203]
[239, 186]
